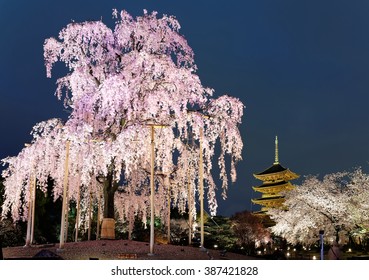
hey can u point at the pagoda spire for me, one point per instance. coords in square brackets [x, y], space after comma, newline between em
[276, 159]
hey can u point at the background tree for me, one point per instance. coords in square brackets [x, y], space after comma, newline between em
[249, 231]
[335, 204]
[11, 233]
[2, 188]
[358, 201]
[47, 216]
[121, 81]
[219, 233]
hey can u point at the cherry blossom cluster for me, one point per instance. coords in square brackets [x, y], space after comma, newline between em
[121, 82]
[337, 204]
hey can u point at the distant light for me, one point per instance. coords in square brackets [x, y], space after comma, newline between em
[288, 248]
[259, 252]
[215, 246]
[294, 249]
[314, 257]
[349, 250]
[288, 254]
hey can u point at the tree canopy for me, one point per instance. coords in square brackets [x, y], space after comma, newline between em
[122, 80]
[337, 204]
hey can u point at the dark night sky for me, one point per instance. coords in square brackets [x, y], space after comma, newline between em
[300, 67]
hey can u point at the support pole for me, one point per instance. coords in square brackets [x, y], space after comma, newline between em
[189, 209]
[98, 216]
[29, 220]
[89, 218]
[66, 216]
[201, 185]
[167, 183]
[33, 207]
[130, 229]
[77, 211]
[64, 207]
[152, 190]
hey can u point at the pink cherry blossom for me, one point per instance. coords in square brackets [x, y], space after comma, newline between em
[120, 81]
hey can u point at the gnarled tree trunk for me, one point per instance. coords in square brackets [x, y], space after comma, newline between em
[108, 223]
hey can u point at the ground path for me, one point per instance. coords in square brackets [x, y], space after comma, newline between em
[119, 249]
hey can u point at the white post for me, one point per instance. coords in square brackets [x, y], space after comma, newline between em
[77, 210]
[98, 215]
[33, 207]
[65, 183]
[89, 218]
[167, 183]
[201, 185]
[29, 220]
[130, 222]
[66, 216]
[152, 190]
[189, 209]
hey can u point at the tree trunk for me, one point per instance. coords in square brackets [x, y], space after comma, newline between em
[338, 229]
[110, 187]
[108, 223]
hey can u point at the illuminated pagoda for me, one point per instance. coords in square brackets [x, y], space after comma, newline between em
[276, 179]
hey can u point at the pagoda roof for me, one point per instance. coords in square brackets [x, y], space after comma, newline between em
[268, 198]
[261, 212]
[275, 168]
[265, 201]
[273, 184]
[274, 187]
[276, 172]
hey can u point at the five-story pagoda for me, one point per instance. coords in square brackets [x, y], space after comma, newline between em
[276, 179]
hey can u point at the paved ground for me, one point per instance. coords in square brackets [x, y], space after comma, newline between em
[117, 249]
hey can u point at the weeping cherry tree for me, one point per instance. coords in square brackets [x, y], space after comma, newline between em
[127, 87]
